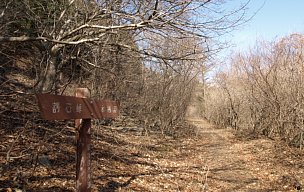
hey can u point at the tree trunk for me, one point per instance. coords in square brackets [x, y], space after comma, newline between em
[48, 76]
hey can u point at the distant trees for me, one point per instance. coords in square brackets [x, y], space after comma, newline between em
[263, 91]
[169, 85]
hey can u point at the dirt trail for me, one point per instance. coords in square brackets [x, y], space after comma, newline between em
[246, 165]
[213, 160]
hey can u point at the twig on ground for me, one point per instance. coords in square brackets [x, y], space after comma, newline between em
[205, 182]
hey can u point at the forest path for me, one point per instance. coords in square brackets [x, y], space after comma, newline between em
[209, 159]
[244, 165]
[202, 158]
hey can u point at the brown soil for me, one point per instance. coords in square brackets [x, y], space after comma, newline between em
[210, 159]
[243, 164]
[215, 160]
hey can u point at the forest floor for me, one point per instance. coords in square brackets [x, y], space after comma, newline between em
[211, 159]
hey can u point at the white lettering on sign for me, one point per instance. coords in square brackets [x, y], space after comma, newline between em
[56, 107]
[115, 109]
[78, 108]
[68, 107]
[109, 109]
[102, 109]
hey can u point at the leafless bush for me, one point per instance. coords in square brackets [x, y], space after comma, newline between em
[263, 91]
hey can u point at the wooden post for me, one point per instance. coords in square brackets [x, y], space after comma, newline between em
[83, 172]
[83, 161]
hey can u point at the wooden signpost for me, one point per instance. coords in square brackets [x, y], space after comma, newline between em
[82, 109]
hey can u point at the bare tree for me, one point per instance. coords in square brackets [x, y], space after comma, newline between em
[62, 26]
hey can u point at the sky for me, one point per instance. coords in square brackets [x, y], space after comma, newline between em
[273, 19]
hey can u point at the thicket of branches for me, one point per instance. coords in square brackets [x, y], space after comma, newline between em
[263, 91]
[144, 53]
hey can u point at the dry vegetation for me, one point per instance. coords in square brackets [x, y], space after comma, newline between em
[149, 55]
[262, 93]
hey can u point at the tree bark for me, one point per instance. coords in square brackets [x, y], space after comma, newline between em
[48, 76]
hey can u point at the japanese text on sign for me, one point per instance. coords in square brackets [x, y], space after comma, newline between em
[57, 107]
[68, 107]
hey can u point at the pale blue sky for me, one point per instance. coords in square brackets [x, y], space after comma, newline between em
[275, 19]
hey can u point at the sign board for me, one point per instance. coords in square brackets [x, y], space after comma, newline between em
[58, 107]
